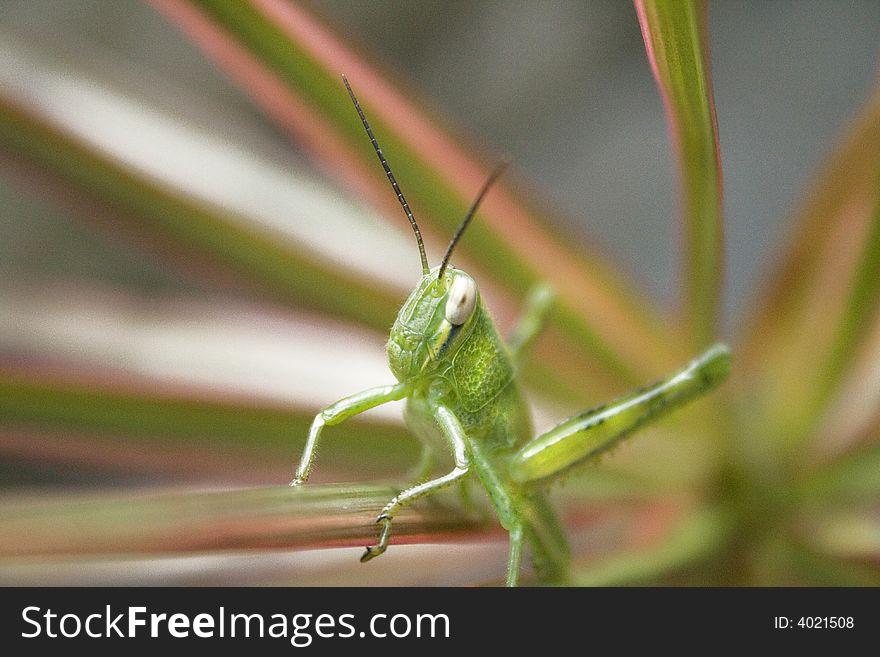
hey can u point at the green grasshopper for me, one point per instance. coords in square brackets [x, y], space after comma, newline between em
[458, 377]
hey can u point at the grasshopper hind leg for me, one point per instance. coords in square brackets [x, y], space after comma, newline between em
[588, 434]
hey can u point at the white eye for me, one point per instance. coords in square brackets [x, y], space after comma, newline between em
[462, 300]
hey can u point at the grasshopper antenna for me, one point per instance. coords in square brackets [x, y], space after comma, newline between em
[496, 173]
[391, 178]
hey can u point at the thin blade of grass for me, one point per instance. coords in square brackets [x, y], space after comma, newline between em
[675, 39]
[177, 523]
[298, 64]
[841, 193]
[860, 309]
[213, 376]
[821, 304]
[62, 457]
[239, 249]
[111, 409]
[202, 343]
[852, 420]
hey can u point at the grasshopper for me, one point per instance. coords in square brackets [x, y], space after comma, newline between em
[458, 378]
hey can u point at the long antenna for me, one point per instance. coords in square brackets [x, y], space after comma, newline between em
[499, 169]
[391, 178]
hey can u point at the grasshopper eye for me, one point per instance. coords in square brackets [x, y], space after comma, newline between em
[462, 300]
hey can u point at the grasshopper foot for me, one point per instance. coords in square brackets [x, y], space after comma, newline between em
[373, 551]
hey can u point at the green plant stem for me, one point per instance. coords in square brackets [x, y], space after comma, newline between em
[674, 33]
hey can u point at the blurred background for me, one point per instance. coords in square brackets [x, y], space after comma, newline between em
[562, 87]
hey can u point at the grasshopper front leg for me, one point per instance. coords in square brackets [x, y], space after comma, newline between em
[589, 433]
[339, 411]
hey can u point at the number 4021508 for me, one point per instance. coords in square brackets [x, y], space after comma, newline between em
[814, 622]
[458, 378]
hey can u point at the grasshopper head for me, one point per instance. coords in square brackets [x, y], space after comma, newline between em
[433, 322]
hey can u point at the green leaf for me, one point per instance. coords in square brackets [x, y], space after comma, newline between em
[236, 246]
[837, 204]
[822, 300]
[859, 311]
[177, 523]
[674, 34]
[112, 411]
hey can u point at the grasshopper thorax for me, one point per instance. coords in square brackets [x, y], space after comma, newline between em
[433, 322]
